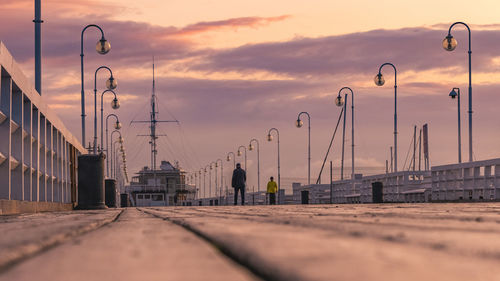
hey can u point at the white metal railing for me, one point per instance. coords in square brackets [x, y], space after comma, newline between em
[476, 181]
[38, 155]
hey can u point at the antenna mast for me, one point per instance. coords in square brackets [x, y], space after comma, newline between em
[152, 125]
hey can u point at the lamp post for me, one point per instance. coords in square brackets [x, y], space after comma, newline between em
[221, 175]
[239, 154]
[209, 179]
[449, 44]
[250, 147]
[113, 162]
[228, 158]
[456, 94]
[299, 124]
[115, 104]
[102, 48]
[352, 131]
[379, 81]
[215, 166]
[110, 84]
[111, 138]
[270, 138]
[199, 173]
[117, 126]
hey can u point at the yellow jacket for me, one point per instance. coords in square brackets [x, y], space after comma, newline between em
[272, 187]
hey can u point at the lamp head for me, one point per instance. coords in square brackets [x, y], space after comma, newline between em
[120, 139]
[238, 153]
[118, 125]
[453, 94]
[379, 79]
[269, 137]
[103, 46]
[111, 83]
[449, 43]
[339, 100]
[115, 104]
[228, 158]
[299, 123]
[250, 147]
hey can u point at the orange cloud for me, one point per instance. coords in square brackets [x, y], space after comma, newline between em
[233, 23]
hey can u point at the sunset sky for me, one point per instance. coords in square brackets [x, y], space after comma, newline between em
[230, 70]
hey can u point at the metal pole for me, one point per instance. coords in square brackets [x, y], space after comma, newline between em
[352, 142]
[331, 183]
[343, 140]
[258, 163]
[392, 163]
[420, 151]
[102, 111]
[414, 145]
[279, 172]
[459, 131]
[308, 145]
[38, 47]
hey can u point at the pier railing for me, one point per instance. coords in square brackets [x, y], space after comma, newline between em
[471, 181]
[38, 155]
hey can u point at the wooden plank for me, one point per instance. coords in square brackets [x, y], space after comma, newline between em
[137, 246]
[22, 236]
[355, 242]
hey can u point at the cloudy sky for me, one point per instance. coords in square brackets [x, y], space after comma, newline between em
[230, 70]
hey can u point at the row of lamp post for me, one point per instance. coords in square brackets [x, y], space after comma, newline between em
[449, 44]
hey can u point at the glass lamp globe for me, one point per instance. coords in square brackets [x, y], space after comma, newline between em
[228, 158]
[250, 147]
[449, 43]
[111, 83]
[118, 125]
[121, 140]
[239, 153]
[299, 123]
[115, 104]
[339, 100]
[269, 137]
[379, 79]
[103, 46]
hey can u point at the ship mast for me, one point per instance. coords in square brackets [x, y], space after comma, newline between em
[152, 125]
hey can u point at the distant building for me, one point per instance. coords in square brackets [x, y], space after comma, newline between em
[163, 187]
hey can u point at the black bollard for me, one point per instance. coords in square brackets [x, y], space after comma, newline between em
[124, 200]
[377, 192]
[110, 192]
[91, 182]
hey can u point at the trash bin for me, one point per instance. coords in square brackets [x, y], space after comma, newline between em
[377, 192]
[91, 182]
[304, 196]
[110, 192]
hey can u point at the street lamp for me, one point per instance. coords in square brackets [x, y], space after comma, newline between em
[199, 172]
[299, 124]
[113, 158]
[228, 158]
[111, 84]
[251, 147]
[456, 94]
[102, 47]
[449, 44]
[341, 102]
[215, 165]
[239, 154]
[209, 179]
[114, 106]
[111, 154]
[270, 138]
[380, 81]
[221, 175]
[352, 133]
[117, 126]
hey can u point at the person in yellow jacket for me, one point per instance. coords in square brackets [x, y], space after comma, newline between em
[272, 188]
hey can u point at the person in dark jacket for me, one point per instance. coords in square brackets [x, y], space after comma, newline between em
[238, 183]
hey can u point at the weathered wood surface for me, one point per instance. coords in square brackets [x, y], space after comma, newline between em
[303, 242]
[355, 242]
[24, 235]
[137, 246]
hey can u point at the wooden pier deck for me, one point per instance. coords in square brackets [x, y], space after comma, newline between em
[296, 242]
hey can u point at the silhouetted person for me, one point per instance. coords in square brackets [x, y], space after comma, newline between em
[238, 183]
[272, 188]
